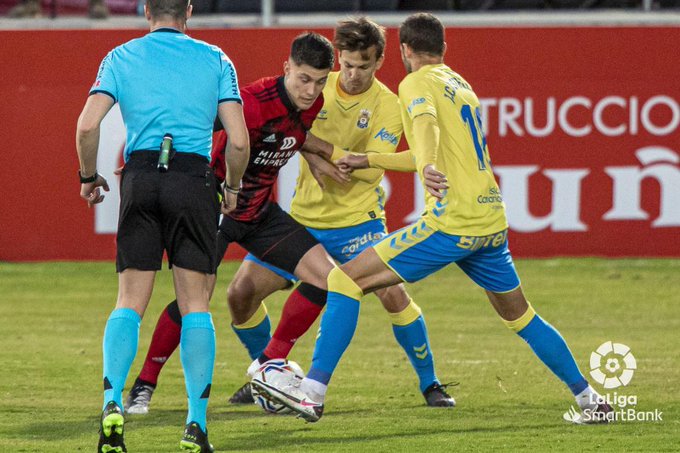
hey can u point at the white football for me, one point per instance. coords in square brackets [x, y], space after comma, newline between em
[274, 370]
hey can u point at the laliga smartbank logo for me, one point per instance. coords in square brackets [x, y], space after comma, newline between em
[612, 365]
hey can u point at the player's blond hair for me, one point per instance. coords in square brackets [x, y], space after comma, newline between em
[359, 33]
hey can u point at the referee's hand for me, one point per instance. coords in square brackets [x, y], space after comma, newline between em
[228, 201]
[91, 192]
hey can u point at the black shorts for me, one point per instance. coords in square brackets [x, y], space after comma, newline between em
[175, 211]
[275, 238]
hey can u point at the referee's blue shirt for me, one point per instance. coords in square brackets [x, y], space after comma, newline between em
[167, 82]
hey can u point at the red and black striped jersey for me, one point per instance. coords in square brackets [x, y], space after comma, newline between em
[277, 130]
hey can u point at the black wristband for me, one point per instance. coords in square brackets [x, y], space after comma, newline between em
[89, 179]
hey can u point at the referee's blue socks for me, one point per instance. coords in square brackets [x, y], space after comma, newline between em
[255, 333]
[411, 333]
[338, 324]
[120, 347]
[197, 353]
[550, 347]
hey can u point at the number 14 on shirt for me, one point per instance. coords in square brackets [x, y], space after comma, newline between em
[474, 123]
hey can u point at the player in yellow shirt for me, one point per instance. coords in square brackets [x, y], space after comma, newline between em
[464, 224]
[359, 114]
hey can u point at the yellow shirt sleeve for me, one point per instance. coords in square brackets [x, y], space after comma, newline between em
[403, 161]
[421, 113]
[369, 175]
[426, 138]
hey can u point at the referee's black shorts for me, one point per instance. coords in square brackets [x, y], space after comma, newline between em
[175, 211]
[275, 238]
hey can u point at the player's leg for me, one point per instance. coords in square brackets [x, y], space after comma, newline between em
[410, 331]
[300, 311]
[548, 345]
[491, 267]
[287, 245]
[337, 329]
[254, 281]
[408, 324]
[406, 255]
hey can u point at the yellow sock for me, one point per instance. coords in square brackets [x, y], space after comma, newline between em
[407, 315]
[523, 321]
[254, 320]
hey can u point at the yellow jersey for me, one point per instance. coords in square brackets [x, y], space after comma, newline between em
[472, 206]
[366, 122]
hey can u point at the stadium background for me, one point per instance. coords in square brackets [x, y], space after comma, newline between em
[52, 314]
[582, 115]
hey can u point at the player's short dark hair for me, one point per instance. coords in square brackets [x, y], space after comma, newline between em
[359, 34]
[423, 33]
[312, 49]
[177, 9]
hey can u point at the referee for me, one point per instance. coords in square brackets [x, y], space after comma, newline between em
[170, 87]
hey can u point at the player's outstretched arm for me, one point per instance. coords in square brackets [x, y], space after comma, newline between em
[434, 180]
[331, 153]
[403, 161]
[237, 151]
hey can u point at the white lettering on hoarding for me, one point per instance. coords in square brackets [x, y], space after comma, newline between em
[658, 116]
[566, 199]
[660, 164]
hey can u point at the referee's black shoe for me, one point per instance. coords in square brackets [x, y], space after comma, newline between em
[436, 396]
[111, 430]
[195, 440]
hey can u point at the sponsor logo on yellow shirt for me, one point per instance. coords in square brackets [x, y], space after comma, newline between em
[385, 136]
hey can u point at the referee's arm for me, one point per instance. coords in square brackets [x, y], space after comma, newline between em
[87, 145]
[87, 131]
[237, 151]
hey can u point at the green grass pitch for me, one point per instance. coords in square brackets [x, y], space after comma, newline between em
[52, 318]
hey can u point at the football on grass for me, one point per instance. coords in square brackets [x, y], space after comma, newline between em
[274, 369]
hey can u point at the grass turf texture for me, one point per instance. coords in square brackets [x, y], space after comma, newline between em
[52, 318]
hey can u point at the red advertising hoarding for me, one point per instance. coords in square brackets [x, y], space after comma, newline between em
[583, 126]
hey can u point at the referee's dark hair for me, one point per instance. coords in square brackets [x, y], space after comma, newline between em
[359, 34]
[314, 50]
[177, 9]
[423, 33]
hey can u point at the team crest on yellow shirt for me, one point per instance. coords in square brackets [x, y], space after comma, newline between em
[364, 116]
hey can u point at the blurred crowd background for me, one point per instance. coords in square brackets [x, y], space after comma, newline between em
[101, 9]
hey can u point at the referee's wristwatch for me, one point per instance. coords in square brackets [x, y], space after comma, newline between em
[88, 179]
